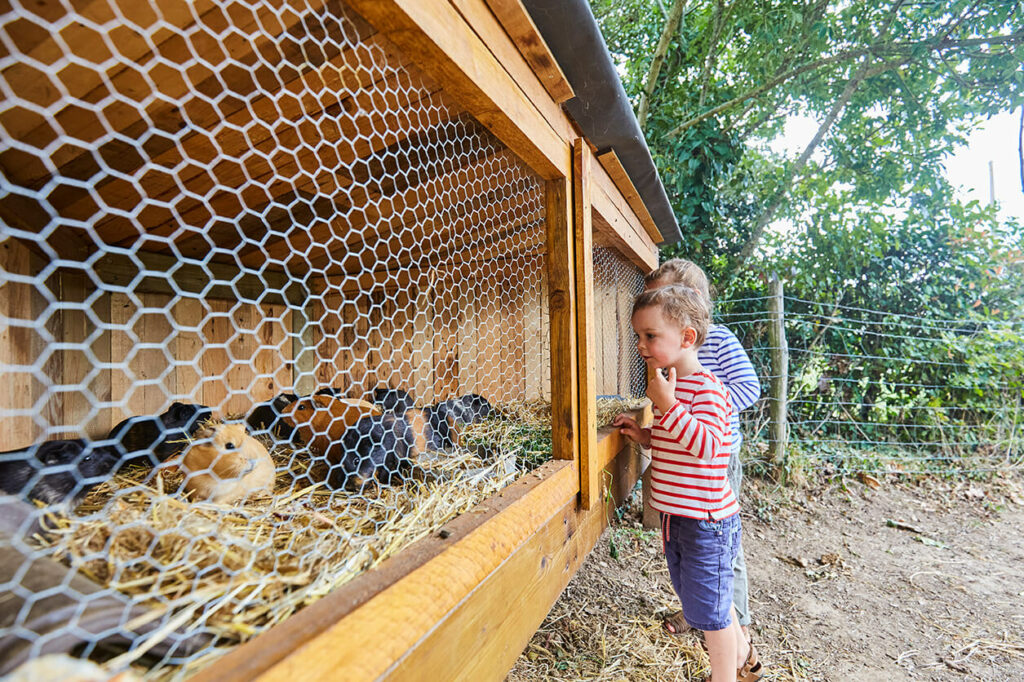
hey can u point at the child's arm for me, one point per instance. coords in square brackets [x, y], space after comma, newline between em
[737, 372]
[701, 429]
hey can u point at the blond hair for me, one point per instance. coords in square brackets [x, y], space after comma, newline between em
[683, 305]
[681, 271]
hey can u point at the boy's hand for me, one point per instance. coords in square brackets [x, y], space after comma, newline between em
[630, 429]
[662, 391]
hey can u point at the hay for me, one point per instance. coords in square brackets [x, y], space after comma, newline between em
[254, 564]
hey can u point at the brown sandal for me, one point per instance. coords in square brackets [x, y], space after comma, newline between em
[752, 670]
[675, 623]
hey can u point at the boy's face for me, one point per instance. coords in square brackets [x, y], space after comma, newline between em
[660, 341]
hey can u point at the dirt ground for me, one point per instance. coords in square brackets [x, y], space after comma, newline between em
[856, 579]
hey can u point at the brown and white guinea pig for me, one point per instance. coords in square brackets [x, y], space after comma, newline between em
[322, 420]
[226, 464]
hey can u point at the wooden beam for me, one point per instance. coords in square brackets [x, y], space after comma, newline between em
[562, 308]
[585, 325]
[445, 47]
[612, 228]
[484, 23]
[350, 634]
[520, 28]
[610, 442]
[611, 163]
[498, 619]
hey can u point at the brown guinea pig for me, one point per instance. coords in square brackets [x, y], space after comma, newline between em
[226, 465]
[321, 420]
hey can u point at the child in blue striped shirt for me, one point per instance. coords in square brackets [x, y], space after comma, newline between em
[724, 356]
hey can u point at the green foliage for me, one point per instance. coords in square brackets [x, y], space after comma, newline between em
[865, 219]
[735, 72]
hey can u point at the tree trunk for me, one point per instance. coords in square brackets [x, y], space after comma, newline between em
[780, 195]
[671, 26]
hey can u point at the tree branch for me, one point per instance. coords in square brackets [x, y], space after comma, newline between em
[671, 26]
[863, 73]
[892, 49]
[709, 58]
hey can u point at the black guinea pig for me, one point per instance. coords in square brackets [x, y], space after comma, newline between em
[151, 440]
[381, 447]
[393, 400]
[57, 471]
[266, 418]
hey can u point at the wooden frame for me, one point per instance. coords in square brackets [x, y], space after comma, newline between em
[418, 615]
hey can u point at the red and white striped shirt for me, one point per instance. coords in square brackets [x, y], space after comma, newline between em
[690, 451]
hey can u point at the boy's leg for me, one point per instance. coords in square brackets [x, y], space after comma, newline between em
[740, 591]
[722, 652]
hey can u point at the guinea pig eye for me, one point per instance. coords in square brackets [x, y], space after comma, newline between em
[230, 446]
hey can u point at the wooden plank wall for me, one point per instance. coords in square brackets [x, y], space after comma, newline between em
[438, 337]
[616, 284]
[160, 348]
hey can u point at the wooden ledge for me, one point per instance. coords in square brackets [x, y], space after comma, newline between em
[361, 629]
[610, 442]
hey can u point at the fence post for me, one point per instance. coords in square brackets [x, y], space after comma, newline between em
[779, 381]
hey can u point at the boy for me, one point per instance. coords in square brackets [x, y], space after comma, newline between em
[690, 440]
[723, 355]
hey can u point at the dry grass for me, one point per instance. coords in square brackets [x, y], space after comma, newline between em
[237, 570]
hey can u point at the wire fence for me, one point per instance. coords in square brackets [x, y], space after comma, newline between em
[881, 392]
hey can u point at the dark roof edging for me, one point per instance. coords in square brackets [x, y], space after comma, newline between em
[601, 107]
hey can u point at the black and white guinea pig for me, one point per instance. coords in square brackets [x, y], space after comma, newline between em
[151, 440]
[379, 446]
[267, 417]
[445, 417]
[393, 400]
[57, 471]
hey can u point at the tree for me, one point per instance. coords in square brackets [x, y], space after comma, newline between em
[893, 86]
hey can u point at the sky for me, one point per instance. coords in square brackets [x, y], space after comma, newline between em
[993, 140]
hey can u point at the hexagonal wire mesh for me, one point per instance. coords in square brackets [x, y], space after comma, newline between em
[211, 210]
[621, 372]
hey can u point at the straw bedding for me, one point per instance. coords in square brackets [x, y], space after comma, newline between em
[237, 570]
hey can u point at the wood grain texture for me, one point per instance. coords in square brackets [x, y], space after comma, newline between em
[448, 50]
[616, 226]
[585, 322]
[562, 307]
[610, 161]
[527, 38]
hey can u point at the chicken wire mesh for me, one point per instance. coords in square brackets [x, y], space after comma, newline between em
[272, 308]
[621, 372]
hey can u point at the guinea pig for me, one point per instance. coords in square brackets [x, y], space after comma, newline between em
[57, 471]
[446, 417]
[393, 400]
[151, 440]
[267, 417]
[381, 447]
[331, 392]
[320, 420]
[226, 465]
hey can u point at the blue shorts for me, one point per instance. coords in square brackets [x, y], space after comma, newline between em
[700, 554]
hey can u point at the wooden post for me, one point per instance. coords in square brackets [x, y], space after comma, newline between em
[562, 306]
[779, 380]
[590, 471]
